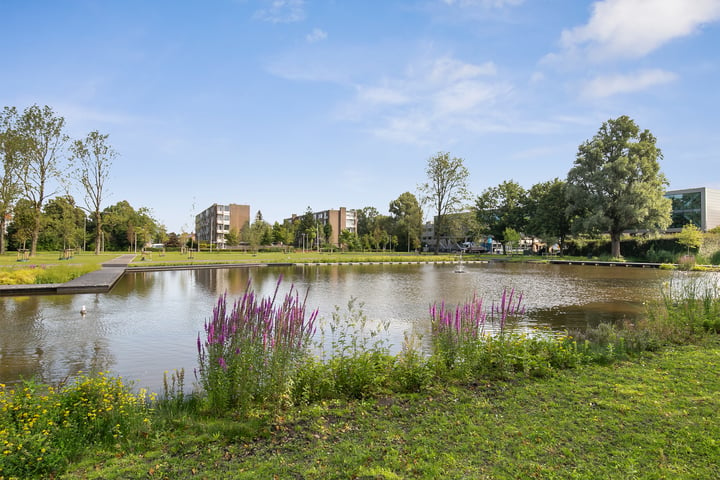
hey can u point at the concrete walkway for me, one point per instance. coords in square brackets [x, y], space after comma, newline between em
[99, 281]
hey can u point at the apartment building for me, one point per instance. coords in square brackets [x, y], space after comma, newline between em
[339, 220]
[216, 221]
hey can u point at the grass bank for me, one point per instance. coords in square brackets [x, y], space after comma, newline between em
[48, 267]
[654, 417]
[618, 401]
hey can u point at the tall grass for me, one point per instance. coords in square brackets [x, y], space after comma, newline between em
[251, 351]
[689, 306]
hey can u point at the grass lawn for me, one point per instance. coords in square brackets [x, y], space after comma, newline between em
[652, 418]
[56, 270]
[10, 259]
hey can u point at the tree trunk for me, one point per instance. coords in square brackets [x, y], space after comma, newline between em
[615, 242]
[98, 234]
[2, 235]
[35, 235]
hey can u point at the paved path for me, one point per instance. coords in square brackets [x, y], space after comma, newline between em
[99, 281]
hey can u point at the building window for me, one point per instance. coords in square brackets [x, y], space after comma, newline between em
[686, 209]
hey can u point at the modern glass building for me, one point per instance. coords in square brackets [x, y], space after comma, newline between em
[698, 206]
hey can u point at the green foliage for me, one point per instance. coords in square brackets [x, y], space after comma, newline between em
[42, 428]
[502, 207]
[445, 189]
[715, 258]
[689, 308]
[616, 183]
[547, 212]
[358, 360]
[407, 217]
[690, 237]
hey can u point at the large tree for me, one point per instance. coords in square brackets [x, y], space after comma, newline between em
[93, 157]
[502, 207]
[10, 187]
[616, 183]
[446, 189]
[43, 144]
[547, 212]
[407, 216]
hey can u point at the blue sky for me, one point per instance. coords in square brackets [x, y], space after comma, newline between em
[287, 104]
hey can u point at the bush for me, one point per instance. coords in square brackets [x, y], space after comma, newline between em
[715, 258]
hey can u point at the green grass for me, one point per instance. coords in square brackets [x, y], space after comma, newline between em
[650, 418]
[47, 267]
[220, 257]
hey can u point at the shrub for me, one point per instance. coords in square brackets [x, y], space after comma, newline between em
[715, 258]
[251, 352]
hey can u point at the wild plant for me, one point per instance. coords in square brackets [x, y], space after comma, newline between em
[458, 332]
[411, 372]
[689, 307]
[354, 358]
[42, 428]
[251, 351]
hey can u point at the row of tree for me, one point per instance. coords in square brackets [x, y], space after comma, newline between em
[38, 161]
[615, 185]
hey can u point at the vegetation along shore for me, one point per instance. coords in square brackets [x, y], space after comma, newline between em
[279, 394]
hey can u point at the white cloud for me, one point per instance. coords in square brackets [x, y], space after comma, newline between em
[431, 99]
[282, 11]
[316, 35]
[448, 70]
[381, 95]
[634, 28]
[608, 85]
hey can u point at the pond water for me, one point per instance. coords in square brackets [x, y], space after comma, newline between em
[149, 322]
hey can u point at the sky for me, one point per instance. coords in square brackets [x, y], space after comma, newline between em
[290, 104]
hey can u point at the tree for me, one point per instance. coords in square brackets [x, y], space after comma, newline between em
[43, 142]
[125, 226]
[94, 159]
[10, 187]
[22, 225]
[616, 183]
[407, 216]
[282, 233]
[366, 220]
[547, 212]
[173, 240]
[232, 237]
[63, 224]
[327, 232]
[691, 237]
[257, 232]
[306, 229]
[511, 237]
[502, 207]
[446, 189]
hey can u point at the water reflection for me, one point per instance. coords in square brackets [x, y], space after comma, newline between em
[149, 323]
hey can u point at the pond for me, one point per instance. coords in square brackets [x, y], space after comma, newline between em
[149, 322]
